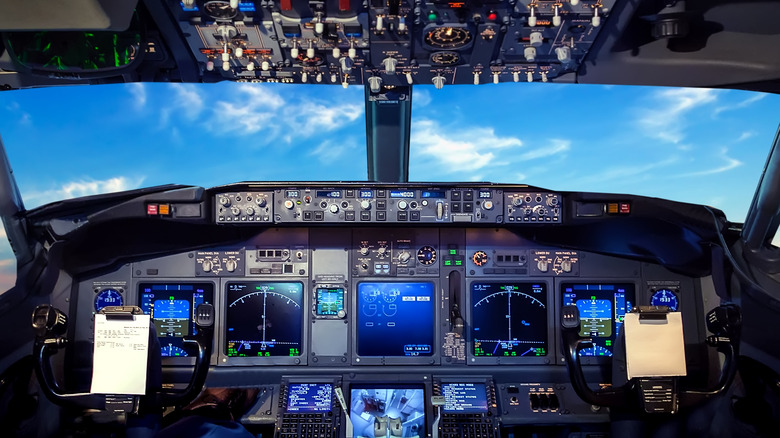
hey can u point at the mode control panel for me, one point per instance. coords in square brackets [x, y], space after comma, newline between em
[533, 207]
[243, 207]
[395, 253]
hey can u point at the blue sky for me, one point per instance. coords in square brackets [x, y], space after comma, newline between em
[692, 145]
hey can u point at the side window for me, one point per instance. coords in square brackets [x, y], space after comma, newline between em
[7, 262]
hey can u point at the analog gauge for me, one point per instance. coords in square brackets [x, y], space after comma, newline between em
[390, 295]
[171, 350]
[219, 10]
[108, 297]
[370, 295]
[445, 58]
[479, 258]
[596, 350]
[426, 255]
[448, 37]
[665, 297]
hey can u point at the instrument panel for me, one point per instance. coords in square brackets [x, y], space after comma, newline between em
[392, 313]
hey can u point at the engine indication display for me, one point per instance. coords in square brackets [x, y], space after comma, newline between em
[264, 319]
[509, 319]
[602, 310]
[395, 319]
[172, 309]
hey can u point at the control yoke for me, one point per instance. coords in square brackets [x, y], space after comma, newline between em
[723, 321]
[50, 326]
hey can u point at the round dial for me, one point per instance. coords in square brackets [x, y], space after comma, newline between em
[370, 295]
[219, 9]
[448, 37]
[171, 350]
[390, 295]
[108, 297]
[426, 255]
[665, 297]
[445, 58]
[479, 258]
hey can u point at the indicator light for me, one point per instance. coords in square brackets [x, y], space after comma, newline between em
[164, 209]
[612, 208]
[625, 208]
[492, 16]
[433, 16]
[454, 252]
[151, 209]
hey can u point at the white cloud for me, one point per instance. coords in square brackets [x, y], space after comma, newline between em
[743, 104]
[746, 135]
[24, 117]
[556, 146]
[315, 116]
[187, 99]
[465, 150]
[667, 121]
[86, 187]
[330, 151]
[625, 173]
[138, 92]
[729, 163]
[421, 98]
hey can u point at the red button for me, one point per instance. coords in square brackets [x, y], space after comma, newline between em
[492, 16]
[151, 209]
[625, 208]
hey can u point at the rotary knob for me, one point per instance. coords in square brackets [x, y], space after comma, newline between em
[365, 204]
[236, 211]
[261, 202]
[206, 266]
[224, 201]
[381, 250]
[404, 257]
[334, 208]
[390, 64]
[438, 82]
[250, 211]
[566, 265]
[364, 250]
[517, 202]
[402, 205]
[487, 205]
[288, 204]
[543, 265]
[231, 265]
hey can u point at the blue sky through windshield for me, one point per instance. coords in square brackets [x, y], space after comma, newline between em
[692, 145]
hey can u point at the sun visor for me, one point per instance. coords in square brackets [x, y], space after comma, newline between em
[30, 15]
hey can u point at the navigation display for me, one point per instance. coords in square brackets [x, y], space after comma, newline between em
[602, 310]
[464, 397]
[263, 319]
[381, 412]
[395, 319]
[509, 319]
[172, 309]
[309, 397]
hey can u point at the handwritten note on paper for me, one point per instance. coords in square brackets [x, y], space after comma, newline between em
[655, 348]
[120, 355]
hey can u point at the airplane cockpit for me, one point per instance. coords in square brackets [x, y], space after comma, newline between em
[384, 306]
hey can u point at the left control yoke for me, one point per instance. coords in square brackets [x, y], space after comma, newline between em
[50, 326]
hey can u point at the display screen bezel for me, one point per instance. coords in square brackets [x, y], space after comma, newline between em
[433, 358]
[209, 297]
[307, 409]
[477, 410]
[552, 344]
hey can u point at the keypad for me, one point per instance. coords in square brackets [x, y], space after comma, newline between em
[296, 425]
[467, 426]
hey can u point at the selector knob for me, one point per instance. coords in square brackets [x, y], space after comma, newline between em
[402, 205]
[364, 250]
[261, 202]
[288, 204]
[404, 257]
[438, 82]
[566, 265]
[390, 64]
[375, 84]
[206, 265]
[543, 265]
[365, 204]
[536, 39]
[517, 202]
[236, 211]
[224, 201]
[530, 54]
[231, 265]
[487, 205]
[346, 65]
[563, 54]
[250, 211]
[334, 208]
[381, 250]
